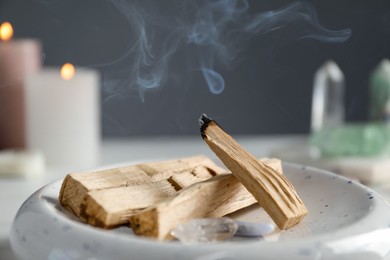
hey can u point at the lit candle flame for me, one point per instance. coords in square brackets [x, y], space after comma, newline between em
[6, 31]
[67, 71]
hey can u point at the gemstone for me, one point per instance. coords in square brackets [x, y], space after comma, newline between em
[332, 138]
[205, 230]
[253, 229]
[365, 139]
[219, 229]
[380, 92]
[328, 97]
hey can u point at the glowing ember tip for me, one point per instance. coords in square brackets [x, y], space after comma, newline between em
[67, 71]
[6, 31]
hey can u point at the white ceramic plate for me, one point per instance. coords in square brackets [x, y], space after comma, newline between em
[346, 220]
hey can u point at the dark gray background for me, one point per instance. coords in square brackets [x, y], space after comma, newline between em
[268, 84]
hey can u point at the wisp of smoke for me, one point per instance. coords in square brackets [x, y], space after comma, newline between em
[216, 29]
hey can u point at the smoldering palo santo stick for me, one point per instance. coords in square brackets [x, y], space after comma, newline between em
[271, 189]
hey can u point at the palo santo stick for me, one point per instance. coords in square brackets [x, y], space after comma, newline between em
[274, 163]
[271, 189]
[185, 179]
[112, 207]
[76, 185]
[215, 197]
[109, 208]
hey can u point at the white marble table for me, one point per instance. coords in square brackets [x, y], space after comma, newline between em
[124, 151]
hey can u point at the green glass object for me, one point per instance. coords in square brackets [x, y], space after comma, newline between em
[380, 92]
[365, 139]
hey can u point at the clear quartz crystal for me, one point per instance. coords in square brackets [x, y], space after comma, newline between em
[334, 140]
[205, 230]
[328, 97]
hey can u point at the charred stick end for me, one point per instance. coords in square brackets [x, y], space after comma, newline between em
[204, 121]
[279, 199]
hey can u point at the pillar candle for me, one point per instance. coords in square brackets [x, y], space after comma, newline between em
[63, 117]
[18, 58]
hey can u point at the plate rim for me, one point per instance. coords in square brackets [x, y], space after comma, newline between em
[310, 241]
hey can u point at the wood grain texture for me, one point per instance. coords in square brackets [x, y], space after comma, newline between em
[215, 197]
[76, 185]
[271, 189]
[112, 207]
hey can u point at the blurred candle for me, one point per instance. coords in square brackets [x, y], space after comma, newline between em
[63, 116]
[18, 58]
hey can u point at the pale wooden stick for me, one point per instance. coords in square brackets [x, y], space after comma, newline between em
[271, 189]
[112, 207]
[185, 179]
[109, 208]
[274, 163]
[215, 197]
[76, 185]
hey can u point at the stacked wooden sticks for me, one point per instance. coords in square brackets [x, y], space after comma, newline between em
[155, 197]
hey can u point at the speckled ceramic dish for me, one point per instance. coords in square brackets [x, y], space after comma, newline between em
[346, 220]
